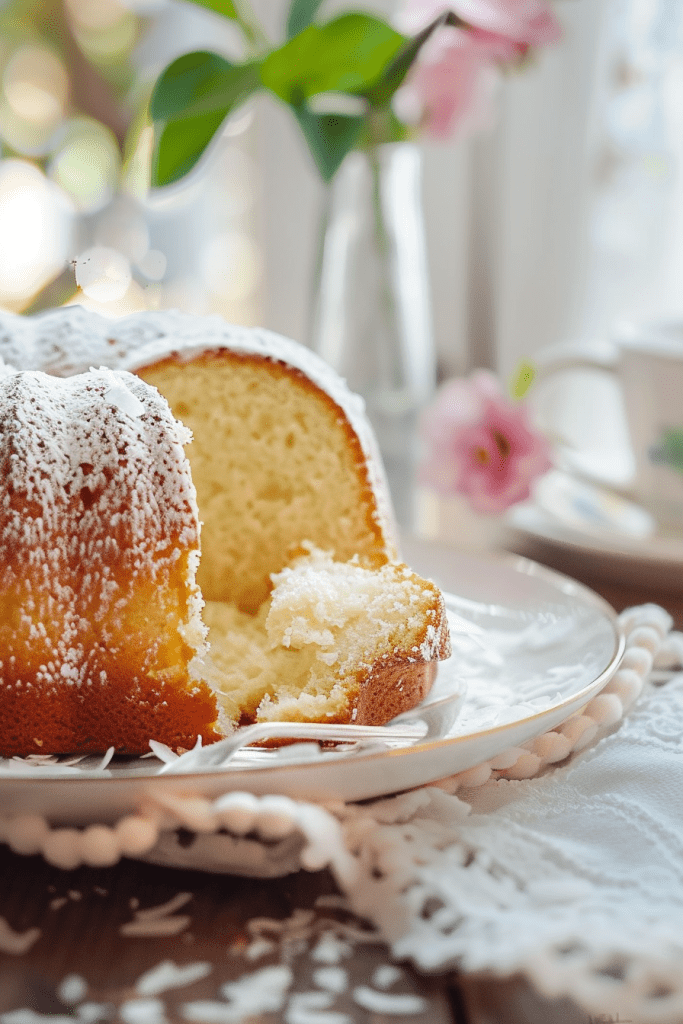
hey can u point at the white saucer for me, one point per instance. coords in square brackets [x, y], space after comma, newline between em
[614, 536]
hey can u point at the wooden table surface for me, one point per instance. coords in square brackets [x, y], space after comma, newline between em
[74, 923]
[67, 951]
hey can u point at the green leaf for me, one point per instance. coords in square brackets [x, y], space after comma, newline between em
[522, 379]
[348, 54]
[180, 145]
[225, 7]
[183, 82]
[224, 90]
[329, 136]
[190, 102]
[301, 14]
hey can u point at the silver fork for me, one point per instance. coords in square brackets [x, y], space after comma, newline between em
[219, 754]
[427, 721]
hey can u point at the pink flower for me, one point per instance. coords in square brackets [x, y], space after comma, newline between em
[525, 21]
[451, 84]
[481, 445]
[529, 22]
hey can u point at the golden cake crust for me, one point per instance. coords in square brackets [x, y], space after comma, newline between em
[99, 539]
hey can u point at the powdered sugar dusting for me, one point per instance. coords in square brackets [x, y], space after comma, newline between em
[69, 340]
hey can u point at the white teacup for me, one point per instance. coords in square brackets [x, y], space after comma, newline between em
[648, 361]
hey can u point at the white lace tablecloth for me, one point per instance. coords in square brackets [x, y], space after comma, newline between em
[572, 877]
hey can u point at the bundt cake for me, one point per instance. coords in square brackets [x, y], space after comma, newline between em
[99, 543]
[310, 614]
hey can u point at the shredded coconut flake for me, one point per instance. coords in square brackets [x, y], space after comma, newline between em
[72, 989]
[17, 943]
[168, 975]
[313, 1008]
[382, 1002]
[155, 928]
[335, 979]
[143, 1011]
[163, 909]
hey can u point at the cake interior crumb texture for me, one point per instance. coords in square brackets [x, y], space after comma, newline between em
[325, 634]
[274, 463]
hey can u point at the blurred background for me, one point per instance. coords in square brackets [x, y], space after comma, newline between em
[566, 214]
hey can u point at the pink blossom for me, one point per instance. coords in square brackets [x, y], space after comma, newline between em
[481, 445]
[525, 21]
[529, 22]
[450, 86]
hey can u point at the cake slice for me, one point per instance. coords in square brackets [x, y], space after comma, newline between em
[334, 642]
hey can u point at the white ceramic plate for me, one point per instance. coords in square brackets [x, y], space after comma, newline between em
[613, 536]
[547, 645]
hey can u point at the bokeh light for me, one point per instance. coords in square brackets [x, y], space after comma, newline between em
[35, 227]
[95, 15]
[133, 300]
[105, 29]
[231, 266]
[122, 226]
[86, 164]
[35, 89]
[153, 265]
[36, 84]
[103, 274]
[75, 189]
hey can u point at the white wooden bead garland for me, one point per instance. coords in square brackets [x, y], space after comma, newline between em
[648, 634]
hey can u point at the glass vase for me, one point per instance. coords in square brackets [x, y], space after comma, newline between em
[372, 305]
